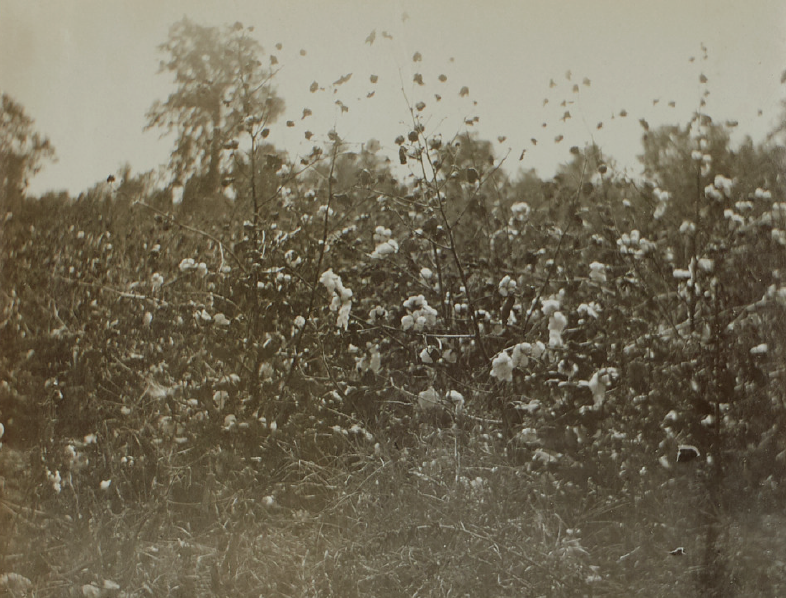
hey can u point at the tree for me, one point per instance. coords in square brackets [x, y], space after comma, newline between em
[22, 152]
[222, 90]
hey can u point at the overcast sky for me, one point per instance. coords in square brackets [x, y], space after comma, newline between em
[86, 71]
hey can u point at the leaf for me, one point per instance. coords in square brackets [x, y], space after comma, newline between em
[687, 453]
[501, 138]
[279, 46]
[342, 80]
[265, 133]
[623, 113]
[314, 87]
[302, 52]
[290, 123]
[586, 82]
[273, 60]
[545, 101]
[783, 77]
[558, 138]
[306, 112]
[386, 35]
[374, 78]
[575, 88]
[371, 37]
[655, 101]
[464, 91]
[565, 116]
[702, 78]
[568, 74]
[443, 78]
[534, 141]
[472, 176]
[418, 78]
[644, 124]
[416, 57]
[552, 83]
[370, 94]
[437, 96]
[672, 104]
[402, 155]
[599, 126]
[521, 157]
[575, 150]
[308, 135]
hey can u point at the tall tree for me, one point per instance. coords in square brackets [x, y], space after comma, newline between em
[22, 152]
[222, 89]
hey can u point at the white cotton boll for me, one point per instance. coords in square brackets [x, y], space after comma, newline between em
[429, 398]
[187, 264]
[221, 320]
[759, 349]
[557, 324]
[550, 306]
[426, 274]
[104, 485]
[538, 349]
[502, 367]
[382, 250]
[687, 227]
[695, 155]
[456, 398]
[507, 286]
[681, 274]
[425, 357]
[597, 272]
[520, 210]
[407, 322]
[342, 321]
[147, 318]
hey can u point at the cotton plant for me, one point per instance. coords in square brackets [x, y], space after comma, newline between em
[719, 189]
[505, 362]
[384, 244]
[635, 244]
[421, 315]
[598, 384]
[507, 286]
[557, 324]
[663, 198]
[597, 272]
[342, 297]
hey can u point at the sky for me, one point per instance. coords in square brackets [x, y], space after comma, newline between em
[87, 72]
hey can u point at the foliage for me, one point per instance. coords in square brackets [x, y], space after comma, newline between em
[345, 383]
[222, 90]
[22, 152]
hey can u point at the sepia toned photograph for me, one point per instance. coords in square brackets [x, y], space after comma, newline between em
[364, 299]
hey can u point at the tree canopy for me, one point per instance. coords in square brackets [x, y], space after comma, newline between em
[22, 151]
[221, 89]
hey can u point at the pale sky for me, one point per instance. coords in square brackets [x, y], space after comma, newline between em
[86, 71]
